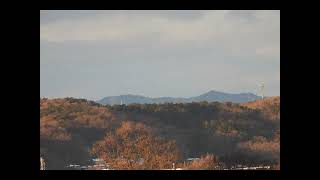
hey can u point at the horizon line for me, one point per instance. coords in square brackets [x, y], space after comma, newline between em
[97, 99]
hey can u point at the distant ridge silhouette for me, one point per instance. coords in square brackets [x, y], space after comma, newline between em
[211, 96]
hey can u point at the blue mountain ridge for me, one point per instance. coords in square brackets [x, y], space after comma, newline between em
[211, 96]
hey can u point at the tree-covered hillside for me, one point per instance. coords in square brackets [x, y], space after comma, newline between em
[236, 133]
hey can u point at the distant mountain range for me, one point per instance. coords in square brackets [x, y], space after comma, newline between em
[210, 96]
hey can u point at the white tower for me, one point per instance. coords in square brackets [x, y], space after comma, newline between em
[261, 90]
[42, 164]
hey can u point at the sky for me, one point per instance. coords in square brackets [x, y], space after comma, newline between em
[94, 54]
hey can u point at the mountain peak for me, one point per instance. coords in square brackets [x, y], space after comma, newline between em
[214, 92]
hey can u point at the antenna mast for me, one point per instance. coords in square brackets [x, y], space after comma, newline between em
[261, 91]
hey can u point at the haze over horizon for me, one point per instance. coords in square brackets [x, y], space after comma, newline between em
[94, 54]
[128, 94]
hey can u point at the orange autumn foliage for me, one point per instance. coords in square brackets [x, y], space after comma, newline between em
[134, 146]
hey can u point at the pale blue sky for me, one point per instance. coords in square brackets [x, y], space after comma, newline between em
[93, 54]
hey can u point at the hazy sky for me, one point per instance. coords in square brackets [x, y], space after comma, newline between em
[93, 54]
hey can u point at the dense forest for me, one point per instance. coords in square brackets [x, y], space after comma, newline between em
[75, 130]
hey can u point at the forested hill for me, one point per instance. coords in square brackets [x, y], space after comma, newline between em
[238, 133]
[269, 106]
